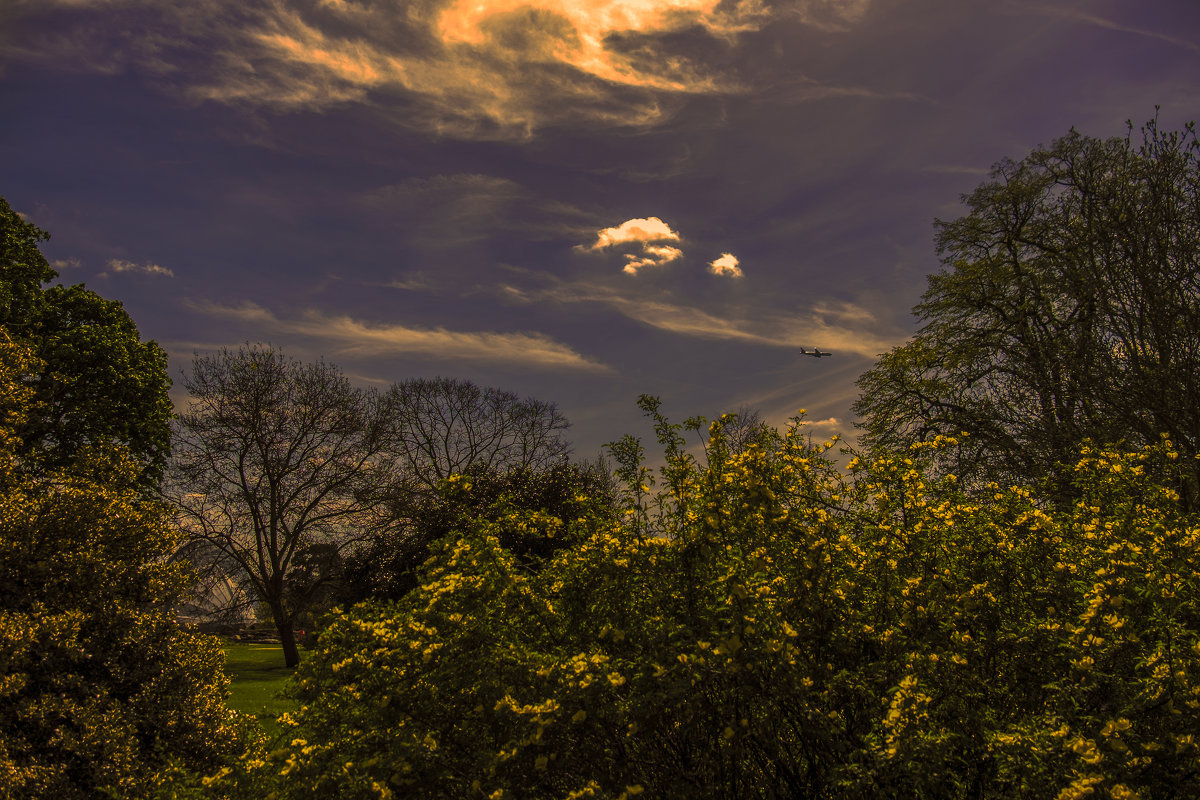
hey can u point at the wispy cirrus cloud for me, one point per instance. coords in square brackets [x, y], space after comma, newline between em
[840, 327]
[344, 335]
[465, 68]
[116, 266]
[1076, 14]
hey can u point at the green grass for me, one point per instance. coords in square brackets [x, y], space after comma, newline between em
[257, 675]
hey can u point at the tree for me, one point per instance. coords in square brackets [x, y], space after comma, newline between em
[800, 630]
[102, 692]
[1068, 308]
[280, 467]
[559, 493]
[444, 427]
[99, 382]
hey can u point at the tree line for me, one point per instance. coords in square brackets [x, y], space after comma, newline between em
[999, 596]
[289, 480]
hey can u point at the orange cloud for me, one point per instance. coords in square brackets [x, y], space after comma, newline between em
[480, 69]
[344, 335]
[648, 232]
[498, 68]
[648, 229]
[852, 329]
[726, 265]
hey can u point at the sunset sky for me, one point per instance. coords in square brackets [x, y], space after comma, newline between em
[575, 200]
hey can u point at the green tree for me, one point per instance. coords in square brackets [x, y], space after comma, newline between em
[792, 630]
[1068, 309]
[438, 428]
[99, 382]
[102, 691]
[387, 569]
[280, 468]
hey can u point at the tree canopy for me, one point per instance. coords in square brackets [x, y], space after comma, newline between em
[99, 381]
[279, 468]
[387, 568]
[446, 426]
[794, 629]
[101, 689]
[1068, 309]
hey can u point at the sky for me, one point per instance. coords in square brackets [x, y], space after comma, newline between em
[575, 200]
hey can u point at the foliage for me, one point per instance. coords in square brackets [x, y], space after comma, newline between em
[767, 625]
[1067, 310]
[99, 382]
[101, 689]
[547, 496]
[509, 446]
[279, 469]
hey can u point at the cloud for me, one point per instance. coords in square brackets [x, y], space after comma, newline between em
[347, 336]
[1079, 15]
[480, 69]
[838, 327]
[648, 229]
[60, 264]
[726, 265]
[461, 189]
[646, 232]
[653, 256]
[117, 265]
[450, 210]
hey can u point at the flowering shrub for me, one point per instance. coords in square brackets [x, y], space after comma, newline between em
[764, 624]
[100, 690]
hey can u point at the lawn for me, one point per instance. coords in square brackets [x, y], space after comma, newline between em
[257, 675]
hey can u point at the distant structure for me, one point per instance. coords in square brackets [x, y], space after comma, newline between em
[816, 352]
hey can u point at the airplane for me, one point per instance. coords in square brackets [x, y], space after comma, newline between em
[816, 352]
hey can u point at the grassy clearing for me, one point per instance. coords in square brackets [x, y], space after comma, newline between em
[257, 675]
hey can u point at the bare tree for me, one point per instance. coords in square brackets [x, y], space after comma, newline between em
[279, 466]
[444, 426]
[746, 427]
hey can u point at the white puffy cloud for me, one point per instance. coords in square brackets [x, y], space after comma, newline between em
[726, 265]
[117, 265]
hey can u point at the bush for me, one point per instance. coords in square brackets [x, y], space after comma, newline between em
[767, 625]
[101, 689]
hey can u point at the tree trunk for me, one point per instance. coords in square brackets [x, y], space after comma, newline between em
[287, 637]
